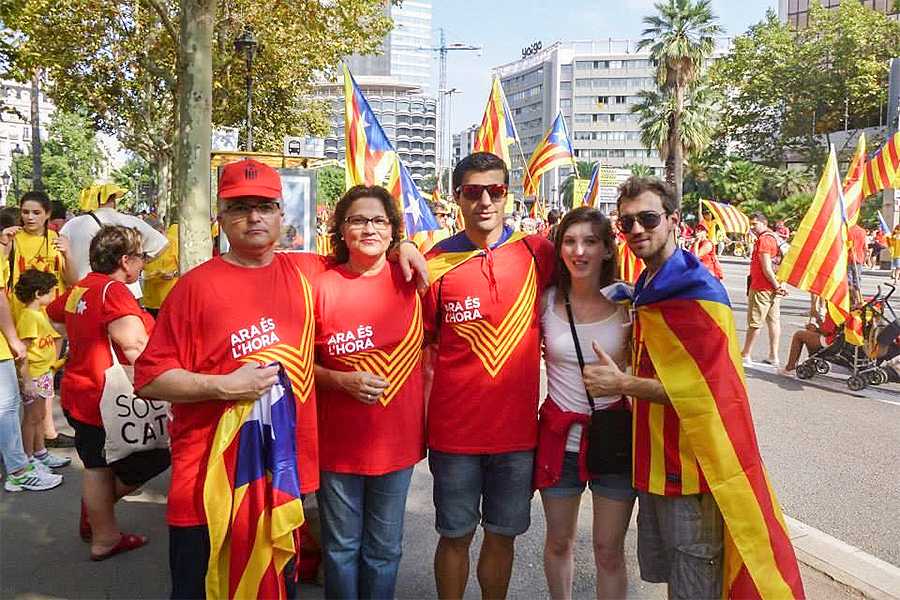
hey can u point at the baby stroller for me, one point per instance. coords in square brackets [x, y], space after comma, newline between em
[861, 352]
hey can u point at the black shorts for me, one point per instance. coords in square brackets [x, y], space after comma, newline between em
[134, 469]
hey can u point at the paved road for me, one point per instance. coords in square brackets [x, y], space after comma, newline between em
[832, 458]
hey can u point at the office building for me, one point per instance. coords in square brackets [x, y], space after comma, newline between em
[797, 11]
[15, 127]
[408, 116]
[463, 143]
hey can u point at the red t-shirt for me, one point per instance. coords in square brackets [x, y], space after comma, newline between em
[765, 243]
[217, 317]
[858, 240]
[487, 373]
[86, 315]
[371, 324]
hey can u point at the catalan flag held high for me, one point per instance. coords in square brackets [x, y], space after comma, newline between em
[883, 169]
[553, 151]
[685, 323]
[369, 152]
[496, 132]
[854, 182]
[817, 259]
[252, 496]
[730, 218]
[590, 195]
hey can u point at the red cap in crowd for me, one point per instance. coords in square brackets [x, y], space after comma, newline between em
[249, 178]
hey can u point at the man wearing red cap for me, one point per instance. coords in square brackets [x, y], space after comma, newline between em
[205, 351]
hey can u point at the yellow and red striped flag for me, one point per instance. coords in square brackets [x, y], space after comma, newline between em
[628, 265]
[369, 153]
[730, 218]
[538, 211]
[817, 259]
[883, 169]
[496, 132]
[553, 151]
[854, 182]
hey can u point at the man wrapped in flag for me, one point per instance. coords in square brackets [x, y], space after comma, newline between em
[696, 464]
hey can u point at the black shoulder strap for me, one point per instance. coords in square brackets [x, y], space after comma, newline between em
[96, 218]
[577, 345]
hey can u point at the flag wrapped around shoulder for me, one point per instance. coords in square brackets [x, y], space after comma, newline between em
[553, 151]
[593, 190]
[496, 132]
[729, 217]
[687, 327]
[854, 182]
[369, 152]
[883, 169]
[252, 496]
[817, 258]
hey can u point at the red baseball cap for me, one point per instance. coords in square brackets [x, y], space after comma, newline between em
[249, 178]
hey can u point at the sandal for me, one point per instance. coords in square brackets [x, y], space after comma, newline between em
[84, 527]
[126, 543]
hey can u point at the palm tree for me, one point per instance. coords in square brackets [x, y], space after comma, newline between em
[583, 170]
[680, 38]
[656, 116]
[640, 170]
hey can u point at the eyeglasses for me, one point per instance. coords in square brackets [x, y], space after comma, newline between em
[473, 191]
[648, 219]
[360, 222]
[241, 210]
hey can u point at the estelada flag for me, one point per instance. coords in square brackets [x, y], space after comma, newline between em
[417, 216]
[369, 152]
[685, 321]
[496, 132]
[553, 151]
[454, 251]
[817, 258]
[629, 267]
[590, 195]
[854, 182]
[252, 496]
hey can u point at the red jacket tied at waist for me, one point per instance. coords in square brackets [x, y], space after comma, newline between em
[553, 431]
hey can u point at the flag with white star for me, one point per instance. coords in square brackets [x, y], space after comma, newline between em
[554, 150]
[417, 216]
[369, 152]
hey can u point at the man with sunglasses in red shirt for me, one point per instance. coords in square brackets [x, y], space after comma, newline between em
[481, 315]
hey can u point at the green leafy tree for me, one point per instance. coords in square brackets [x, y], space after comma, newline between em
[71, 160]
[330, 184]
[784, 88]
[138, 176]
[640, 170]
[680, 38]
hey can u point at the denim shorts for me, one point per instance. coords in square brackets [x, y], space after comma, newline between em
[612, 486]
[467, 485]
[895, 263]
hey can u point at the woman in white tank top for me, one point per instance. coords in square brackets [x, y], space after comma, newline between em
[586, 251]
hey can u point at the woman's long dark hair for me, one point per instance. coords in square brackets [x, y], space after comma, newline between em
[339, 246]
[604, 232]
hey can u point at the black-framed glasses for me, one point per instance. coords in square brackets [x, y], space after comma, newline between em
[649, 219]
[360, 222]
[241, 210]
[473, 191]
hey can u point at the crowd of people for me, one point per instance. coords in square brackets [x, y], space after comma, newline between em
[394, 357]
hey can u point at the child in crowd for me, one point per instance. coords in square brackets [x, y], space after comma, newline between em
[35, 291]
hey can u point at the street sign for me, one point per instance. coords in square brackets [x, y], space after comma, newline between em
[307, 147]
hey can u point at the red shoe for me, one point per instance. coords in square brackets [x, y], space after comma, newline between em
[84, 527]
[126, 543]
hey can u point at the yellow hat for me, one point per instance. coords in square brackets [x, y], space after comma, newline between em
[91, 198]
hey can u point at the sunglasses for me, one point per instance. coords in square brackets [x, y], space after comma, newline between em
[473, 191]
[648, 219]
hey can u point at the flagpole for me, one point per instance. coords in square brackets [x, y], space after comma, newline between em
[571, 155]
[508, 114]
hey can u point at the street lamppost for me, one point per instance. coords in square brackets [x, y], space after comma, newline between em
[246, 44]
[16, 153]
[5, 178]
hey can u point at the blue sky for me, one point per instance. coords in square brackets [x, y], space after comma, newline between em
[504, 27]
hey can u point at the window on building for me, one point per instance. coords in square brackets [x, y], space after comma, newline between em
[565, 71]
[565, 86]
[582, 65]
[616, 64]
[601, 64]
[565, 103]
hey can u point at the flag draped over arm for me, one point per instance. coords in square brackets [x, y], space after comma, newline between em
[883, 169]
[817, 258]
[496, 132]
[730, 218]
[252, 496]
[553, 151]
[687, 326]
[369, 152]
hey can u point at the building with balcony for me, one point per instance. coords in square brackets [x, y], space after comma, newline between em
[408, 116]
[796, 12]
[15, 127]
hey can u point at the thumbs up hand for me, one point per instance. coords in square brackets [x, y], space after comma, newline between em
[605, 378]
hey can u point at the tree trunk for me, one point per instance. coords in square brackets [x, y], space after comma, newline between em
[194, 132]
[163, 187]
[36, 165]
[678, 150]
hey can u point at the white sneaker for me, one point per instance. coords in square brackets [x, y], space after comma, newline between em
[39, 465]
[54, 462]
[33, 479]
[747, 360]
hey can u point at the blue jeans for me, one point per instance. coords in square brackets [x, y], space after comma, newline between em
[362, 532]
[10, 425]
